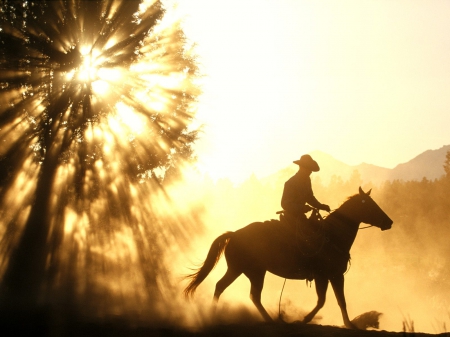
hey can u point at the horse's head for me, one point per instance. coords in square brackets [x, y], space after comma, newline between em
[364, 209]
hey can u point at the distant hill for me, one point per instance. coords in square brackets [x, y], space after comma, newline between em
[428, 164]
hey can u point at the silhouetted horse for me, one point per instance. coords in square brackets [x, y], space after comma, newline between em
[273, 246]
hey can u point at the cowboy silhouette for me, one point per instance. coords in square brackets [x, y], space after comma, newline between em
[298, 193]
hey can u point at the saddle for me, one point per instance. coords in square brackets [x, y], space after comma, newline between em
[310, 234]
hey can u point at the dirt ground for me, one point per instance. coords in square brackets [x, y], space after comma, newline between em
[13, 326]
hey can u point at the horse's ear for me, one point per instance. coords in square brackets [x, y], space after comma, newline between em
[364, 193]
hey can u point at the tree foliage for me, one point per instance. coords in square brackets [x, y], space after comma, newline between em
[96, 99]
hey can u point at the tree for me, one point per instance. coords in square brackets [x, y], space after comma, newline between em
[447, 164]
[353, 183]
[95, 102]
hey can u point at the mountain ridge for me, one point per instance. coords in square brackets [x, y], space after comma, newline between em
[428, 164]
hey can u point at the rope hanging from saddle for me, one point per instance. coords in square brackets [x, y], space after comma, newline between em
[311, 235]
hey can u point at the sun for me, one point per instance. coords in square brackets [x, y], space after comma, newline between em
[92, 71]
[89, 67]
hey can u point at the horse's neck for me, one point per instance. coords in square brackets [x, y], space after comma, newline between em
[343, 229]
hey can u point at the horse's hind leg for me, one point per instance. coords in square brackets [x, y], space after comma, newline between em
[257, 283]
[224, 282]
[221, 285]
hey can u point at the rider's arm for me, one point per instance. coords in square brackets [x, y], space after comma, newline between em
[311, 199]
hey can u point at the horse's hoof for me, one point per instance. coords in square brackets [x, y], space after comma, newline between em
[351, 326]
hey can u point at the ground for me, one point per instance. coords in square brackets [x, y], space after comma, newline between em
[121, 328]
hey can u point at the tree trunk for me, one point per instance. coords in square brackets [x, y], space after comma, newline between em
[23, 283]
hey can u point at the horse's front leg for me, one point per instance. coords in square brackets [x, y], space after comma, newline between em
[321, 290]
[337, 282]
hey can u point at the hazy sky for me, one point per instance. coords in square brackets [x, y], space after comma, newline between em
[365, 81]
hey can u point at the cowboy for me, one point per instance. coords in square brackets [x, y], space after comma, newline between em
[298, 192]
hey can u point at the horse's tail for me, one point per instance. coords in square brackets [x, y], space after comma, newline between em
[214, 254]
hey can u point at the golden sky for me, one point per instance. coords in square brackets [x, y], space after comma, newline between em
[365, 81]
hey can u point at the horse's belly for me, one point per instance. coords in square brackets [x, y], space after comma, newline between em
[269, 248]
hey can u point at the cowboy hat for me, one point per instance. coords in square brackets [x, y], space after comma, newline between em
[308, 163]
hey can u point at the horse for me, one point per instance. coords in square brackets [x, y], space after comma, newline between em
[272, 246]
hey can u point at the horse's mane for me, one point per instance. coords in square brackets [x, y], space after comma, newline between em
[352, 196]
[348, 198]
